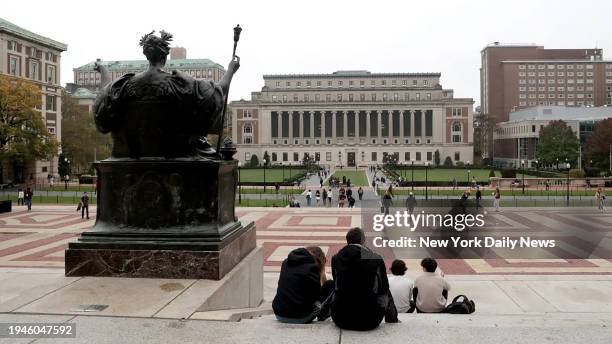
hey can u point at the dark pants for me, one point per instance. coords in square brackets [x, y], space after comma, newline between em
[326, 290]
[85, 210]
[366, 320]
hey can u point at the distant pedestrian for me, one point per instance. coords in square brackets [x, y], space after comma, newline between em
[348, 183]
[496, 198]
[85, 205]
[308, 198]
[28, 196]
[329, 197]
[474, 183]
[341, 200]
[478, 197]
[66, 180]
[547, 184]
[318, 197]
[387, 202]
[20, 197]
[324, 197]
[349, 192]
[321, 182]
[410, 203]
[276, 187]
[351, 202]
[600, 199]
[454, 184]
[360, 193]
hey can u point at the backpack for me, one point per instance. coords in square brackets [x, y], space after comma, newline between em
[465, 306]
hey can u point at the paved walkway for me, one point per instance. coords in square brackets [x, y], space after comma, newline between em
[38, 238]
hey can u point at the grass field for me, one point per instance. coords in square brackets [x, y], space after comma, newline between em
[358, 178]
[445, 174]
[270, 191]
[487, 192]
[273, 175]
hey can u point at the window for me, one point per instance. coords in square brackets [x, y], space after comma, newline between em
[318, 83]
[298, 84]
[285, 156]
[306, 98]
[339, 97]
[428, 96]
[429, 156]
[456, 132]
[373, 97]
[51, 130]
[456, 112]
[425, 82]
[362, 97]
[295, 98]
[327, 156]
[278, 84]
[14, 66]
[248, 128]
[317, 97]
[288, 83]
[418, 96]
[361, 83]
[395, 97]
[274, 98]
[340, 83]
[274, 156]
[418, 156]
[296, 156]
[247, 140]
[406, 156]
[350, 97]
[284, 98]
[457, 156]
[329, 84]
[374, 157]
[328, 97]
[50, 101]
[33, 70]
[414, 82]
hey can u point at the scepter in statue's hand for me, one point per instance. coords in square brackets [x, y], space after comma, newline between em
[227, 78]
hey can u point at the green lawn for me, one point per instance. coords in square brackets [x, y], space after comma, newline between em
[270, 191]
[262, 203]
[273, 175]
[40, 199]
[487, 192]
[445, 174]
[60, 187]
[358, 178]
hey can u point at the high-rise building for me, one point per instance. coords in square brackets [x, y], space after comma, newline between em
[518, 76]
[353, 118]
[30, 56]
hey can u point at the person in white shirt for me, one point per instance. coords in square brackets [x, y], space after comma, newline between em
[401, 287]
[430, 289]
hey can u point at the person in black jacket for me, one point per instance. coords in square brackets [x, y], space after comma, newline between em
[302, 287]
[362, 297]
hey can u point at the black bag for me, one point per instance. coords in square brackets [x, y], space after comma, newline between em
[465, 306]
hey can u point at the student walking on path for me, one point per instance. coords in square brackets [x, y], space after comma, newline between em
[360, 193]
[410, 203]
[324, 197]
[600, 199]
[29, 195]
[496, 198]
[85, 205]
[317, 197]
[308, 198]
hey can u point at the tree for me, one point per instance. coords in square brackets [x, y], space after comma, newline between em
[81, 141]
[437, 158]
[557, 143]
[266, 159]
[448, 162]
[597, 146]
[484, 125]
[254, 161]
[23, 134]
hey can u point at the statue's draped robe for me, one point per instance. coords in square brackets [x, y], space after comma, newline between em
[158, 114]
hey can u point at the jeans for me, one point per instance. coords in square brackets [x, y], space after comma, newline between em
[85, 210]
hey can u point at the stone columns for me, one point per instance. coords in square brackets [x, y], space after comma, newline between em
[368, 126]
[401, 123]
[333, 126]
[301, 124]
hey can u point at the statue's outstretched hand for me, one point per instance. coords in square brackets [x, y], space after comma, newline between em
[98, 67]
[234, 65]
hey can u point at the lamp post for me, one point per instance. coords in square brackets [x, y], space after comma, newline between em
[468, 171]
[239, 185]
[340, 159]
[567, 165]
[523, 176]
[426, 180]
[264, 165]
[412, 162]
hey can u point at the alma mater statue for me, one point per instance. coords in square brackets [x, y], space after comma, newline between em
[160, 114]
[165, 197]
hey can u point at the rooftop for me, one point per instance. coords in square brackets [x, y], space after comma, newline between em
[83, 93]
[349, 73]
[565, 113]
[13, 29]
[122, 65]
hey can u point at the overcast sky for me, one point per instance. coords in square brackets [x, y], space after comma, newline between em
[320, 36]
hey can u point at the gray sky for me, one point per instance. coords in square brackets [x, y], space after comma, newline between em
[320, 36]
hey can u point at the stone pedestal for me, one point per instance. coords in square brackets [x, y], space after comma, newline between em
[163, 218]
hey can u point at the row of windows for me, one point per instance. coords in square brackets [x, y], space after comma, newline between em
[559, 66]
[559, 103]
[552, 81]
[552, 88]
[33, 69]
[351, 97]
[351, 83]
[533, 74]
[559, 95]
[374, 156]
[31, 51]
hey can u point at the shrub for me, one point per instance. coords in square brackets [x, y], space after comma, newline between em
[437, 158]
[254, 161]
[448, 162]
[459, 164]
[592, 171]
[508, 173]
[576, 173]
[491, 173]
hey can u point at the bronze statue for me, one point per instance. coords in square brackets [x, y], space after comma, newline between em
[161, 114]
